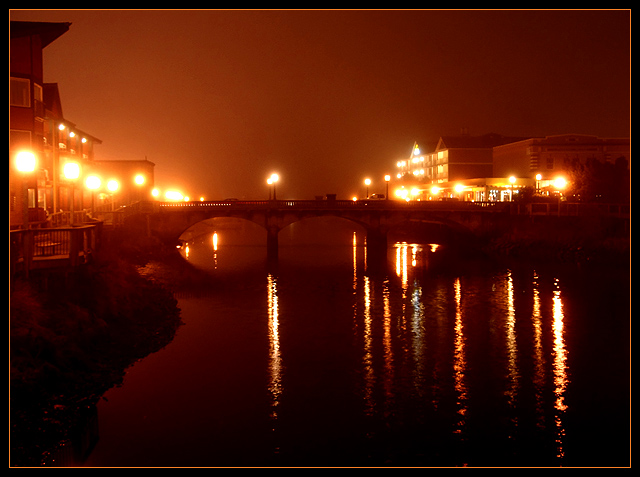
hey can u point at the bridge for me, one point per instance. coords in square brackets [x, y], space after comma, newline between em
[169, 220]
[462, 219]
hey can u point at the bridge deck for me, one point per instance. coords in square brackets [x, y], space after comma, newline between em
[340, 205]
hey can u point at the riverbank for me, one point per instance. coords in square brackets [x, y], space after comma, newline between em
[74, 340]
[598, 241]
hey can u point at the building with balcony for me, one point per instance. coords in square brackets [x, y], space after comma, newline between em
[459, 167]
[494, 167]
[27, 116]
[63, 175]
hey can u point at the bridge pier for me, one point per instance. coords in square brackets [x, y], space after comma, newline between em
[376, 244]
[272, 243]
[376, 240]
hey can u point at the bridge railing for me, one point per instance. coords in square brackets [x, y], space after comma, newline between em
[513, 208]
[59, 247]
[571, 209]
[332, 204]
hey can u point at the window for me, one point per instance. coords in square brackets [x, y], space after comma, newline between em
[549, 162]
[19, 92]
[37, 92]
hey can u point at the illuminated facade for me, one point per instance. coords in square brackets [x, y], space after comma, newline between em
[27, 116]
[64, 175]
[458, 167]
[551, 157]
[494, 167]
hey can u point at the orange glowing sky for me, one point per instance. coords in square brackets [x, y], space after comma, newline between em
[219, 100]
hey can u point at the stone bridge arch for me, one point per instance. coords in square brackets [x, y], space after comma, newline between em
[169, 221]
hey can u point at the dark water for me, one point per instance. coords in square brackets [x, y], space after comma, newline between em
[328, 360]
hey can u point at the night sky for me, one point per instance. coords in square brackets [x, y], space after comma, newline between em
[219, 100]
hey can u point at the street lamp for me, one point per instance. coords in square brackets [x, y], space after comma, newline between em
[367, 182]
[512, 179]
[25, 162]
[139, 181]
[112, 186]
[560, 183]
[387, 178]
[93, 183]
[538, 179]
[71, 172]
[272, 181]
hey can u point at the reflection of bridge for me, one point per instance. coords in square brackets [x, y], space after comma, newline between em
[168, 220]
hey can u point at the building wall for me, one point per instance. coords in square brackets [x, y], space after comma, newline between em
[553, 155]
[25, 120]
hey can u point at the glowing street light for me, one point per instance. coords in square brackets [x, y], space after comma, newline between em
[367, 182]
[402, 193]
[25, 161]
[71, 171]
[112, 185]
[173, 195]
[139, 179]
[512, 179]
[93, 183]
[560, 182]
[272, 181]
[387, 178]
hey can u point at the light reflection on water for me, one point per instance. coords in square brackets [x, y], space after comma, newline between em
[403, 330]
[440, 368]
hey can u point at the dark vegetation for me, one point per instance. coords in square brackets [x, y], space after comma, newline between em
[72, 338]
[598, 239]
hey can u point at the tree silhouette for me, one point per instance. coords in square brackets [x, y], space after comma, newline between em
[600, 181]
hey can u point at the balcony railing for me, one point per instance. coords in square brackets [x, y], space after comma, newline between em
[49, 248]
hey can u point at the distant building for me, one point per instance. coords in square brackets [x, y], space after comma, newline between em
[38, 127]
[546, 159]
[134, 179]
[457, 162]
[494, 167]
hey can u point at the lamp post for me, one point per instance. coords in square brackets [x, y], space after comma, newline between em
[387, 178]
[71, 173]
[139, 181]
[560, 183]
[367, 182]
[512, 179]
[538, 179]
[25, 162]
[112, 186]
[272, 181]
[93, 183]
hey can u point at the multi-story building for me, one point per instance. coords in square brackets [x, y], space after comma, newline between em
[62, 174]
[494, 167]
[27, 117]
[457, 167]
[549, 158]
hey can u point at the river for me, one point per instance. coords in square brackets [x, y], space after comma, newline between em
[329, 359]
